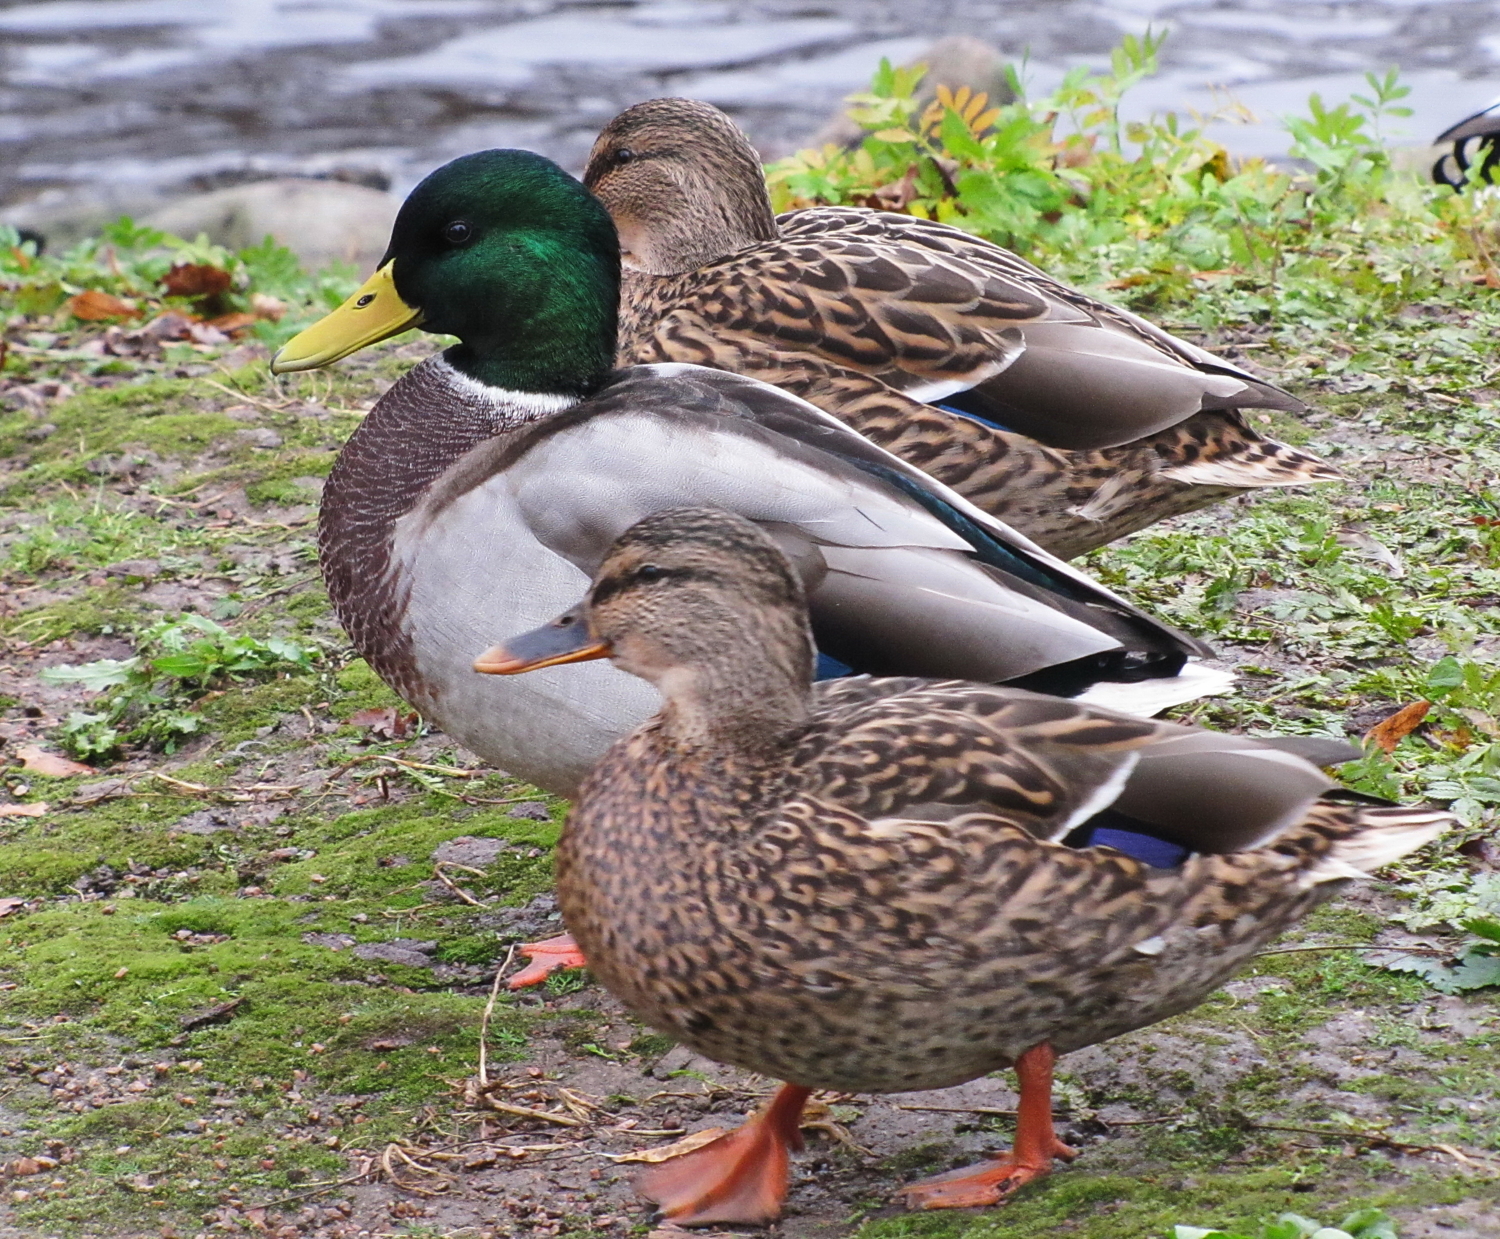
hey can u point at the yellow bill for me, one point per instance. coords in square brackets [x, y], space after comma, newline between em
[374, 312]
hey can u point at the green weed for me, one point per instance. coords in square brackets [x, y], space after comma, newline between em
[1362, 1224]
[147, 698]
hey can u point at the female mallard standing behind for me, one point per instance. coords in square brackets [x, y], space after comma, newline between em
[861, 885]
[1073, 420]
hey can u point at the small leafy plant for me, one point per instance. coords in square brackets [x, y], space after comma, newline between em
[131, 273]
[1156, 209]
[1363, 1224]
[1475, 965]
[147, 699]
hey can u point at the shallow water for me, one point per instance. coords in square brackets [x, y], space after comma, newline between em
[127, 101]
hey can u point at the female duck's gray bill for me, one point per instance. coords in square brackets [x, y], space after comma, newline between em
[566, 639]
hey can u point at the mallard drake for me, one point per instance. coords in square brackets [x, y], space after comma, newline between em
[522, 446]
[863, 884]
[486, 484]
[1073, 420]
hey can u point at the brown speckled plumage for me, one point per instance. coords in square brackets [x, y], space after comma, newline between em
[868, 314]
[853, 885]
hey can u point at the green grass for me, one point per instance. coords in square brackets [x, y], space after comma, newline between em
[1357, 286]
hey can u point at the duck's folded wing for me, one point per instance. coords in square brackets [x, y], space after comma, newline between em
[1068, 370]
[904, 576]
[934, 752]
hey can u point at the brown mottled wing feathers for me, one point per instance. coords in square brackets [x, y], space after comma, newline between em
[934, 751]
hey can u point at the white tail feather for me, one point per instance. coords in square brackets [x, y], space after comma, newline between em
[1385, 835]
[1146, 698]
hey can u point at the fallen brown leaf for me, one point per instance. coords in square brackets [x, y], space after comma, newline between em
[92, 306]
[387, 722]
[23, 810]
[25, 1166]
[39, 761]
[678, 1148]
[234, 322]
[190, 279]
[1390, 731]
[9, 905]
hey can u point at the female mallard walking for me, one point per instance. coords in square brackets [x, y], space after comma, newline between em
[864, 884]
[1075, 421]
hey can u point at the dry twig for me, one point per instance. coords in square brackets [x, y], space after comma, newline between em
[484, 1022]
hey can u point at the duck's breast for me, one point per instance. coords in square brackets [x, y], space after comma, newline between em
[473, 574]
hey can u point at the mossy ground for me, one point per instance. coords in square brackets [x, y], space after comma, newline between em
[244, 989]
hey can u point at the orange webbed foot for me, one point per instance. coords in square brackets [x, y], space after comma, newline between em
[739, 1178]
[993, 1182]
[547, 957]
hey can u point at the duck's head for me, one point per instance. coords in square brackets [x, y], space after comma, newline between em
[683, 183]
[504, 250]
[701, 603]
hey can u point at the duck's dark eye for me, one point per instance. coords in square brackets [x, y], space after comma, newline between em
[457, 232]
[649, 572]
[624, 155]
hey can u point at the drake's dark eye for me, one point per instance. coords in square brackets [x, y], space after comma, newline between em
[624, 155]
[649, 572]
[457, 232]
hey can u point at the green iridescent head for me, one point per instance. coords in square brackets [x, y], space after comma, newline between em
[504, 250]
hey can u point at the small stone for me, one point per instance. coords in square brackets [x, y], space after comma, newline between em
[145, 569]
[468, 850]
[532, 810]
[398, 951]
[334, 942]
[259, 436]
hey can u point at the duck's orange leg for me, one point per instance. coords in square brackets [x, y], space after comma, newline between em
[993, 1182]
[740, 1177]
[546, 958]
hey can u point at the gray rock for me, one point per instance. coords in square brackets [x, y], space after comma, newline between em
[532, 810]
[406, 951]
[467, 850]
[146, 569]
[334, 942]
[203, 822]
[91, 793]
[680, 1058]
[322, 222]
[259, 436]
